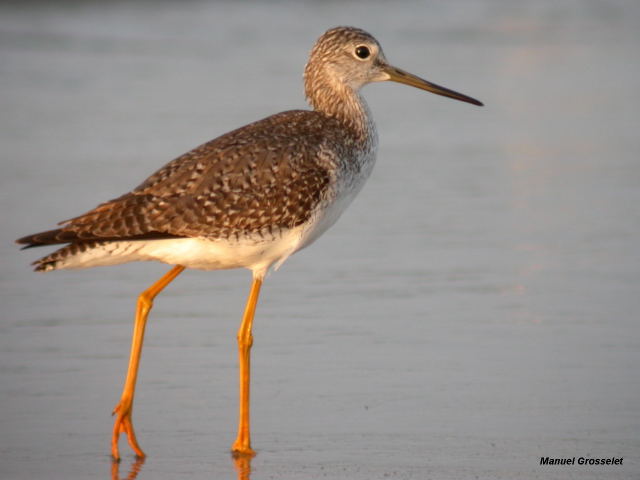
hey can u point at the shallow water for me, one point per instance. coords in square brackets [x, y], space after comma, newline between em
[474, 310]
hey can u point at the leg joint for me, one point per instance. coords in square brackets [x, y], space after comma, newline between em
[145, 301]
[245, 339]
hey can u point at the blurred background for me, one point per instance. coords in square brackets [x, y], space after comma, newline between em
[475, 309]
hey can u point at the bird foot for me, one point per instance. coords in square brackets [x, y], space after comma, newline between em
[241, 448]
[123, 424]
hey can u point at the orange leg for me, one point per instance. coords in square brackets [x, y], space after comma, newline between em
[242, 445]
[123, 410]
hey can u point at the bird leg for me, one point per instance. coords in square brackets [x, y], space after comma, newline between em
[124, 408]
[242, 445]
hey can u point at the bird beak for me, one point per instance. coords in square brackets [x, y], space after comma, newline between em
[400, 76]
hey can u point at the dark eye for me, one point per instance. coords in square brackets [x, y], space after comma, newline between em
[362, 52]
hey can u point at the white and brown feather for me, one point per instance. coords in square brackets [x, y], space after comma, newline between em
[254, 184]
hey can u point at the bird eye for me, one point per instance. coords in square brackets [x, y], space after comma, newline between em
[362, 52]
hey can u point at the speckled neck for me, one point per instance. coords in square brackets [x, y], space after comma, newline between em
[326, 93]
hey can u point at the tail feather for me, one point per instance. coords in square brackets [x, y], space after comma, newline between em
[50, 262]
[61, 235]
[50, 237]
[77, 243]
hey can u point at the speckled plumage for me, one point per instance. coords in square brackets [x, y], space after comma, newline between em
[252, 184]
[256, 195]
[250, 181]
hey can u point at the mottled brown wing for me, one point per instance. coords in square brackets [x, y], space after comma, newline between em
[267, 175]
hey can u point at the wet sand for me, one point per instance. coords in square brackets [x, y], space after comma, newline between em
[475, 309]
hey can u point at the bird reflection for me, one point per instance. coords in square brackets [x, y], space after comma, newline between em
[242, 464]
[136, 466]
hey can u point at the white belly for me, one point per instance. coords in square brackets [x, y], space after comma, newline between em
[254, 254]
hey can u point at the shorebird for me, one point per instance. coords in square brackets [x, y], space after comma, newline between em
[250, 198]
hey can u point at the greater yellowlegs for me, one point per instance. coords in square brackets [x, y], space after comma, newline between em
[250, 198]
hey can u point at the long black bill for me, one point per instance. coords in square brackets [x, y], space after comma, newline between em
[400, 76]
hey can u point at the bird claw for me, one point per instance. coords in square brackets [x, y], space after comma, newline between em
[124, 424]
